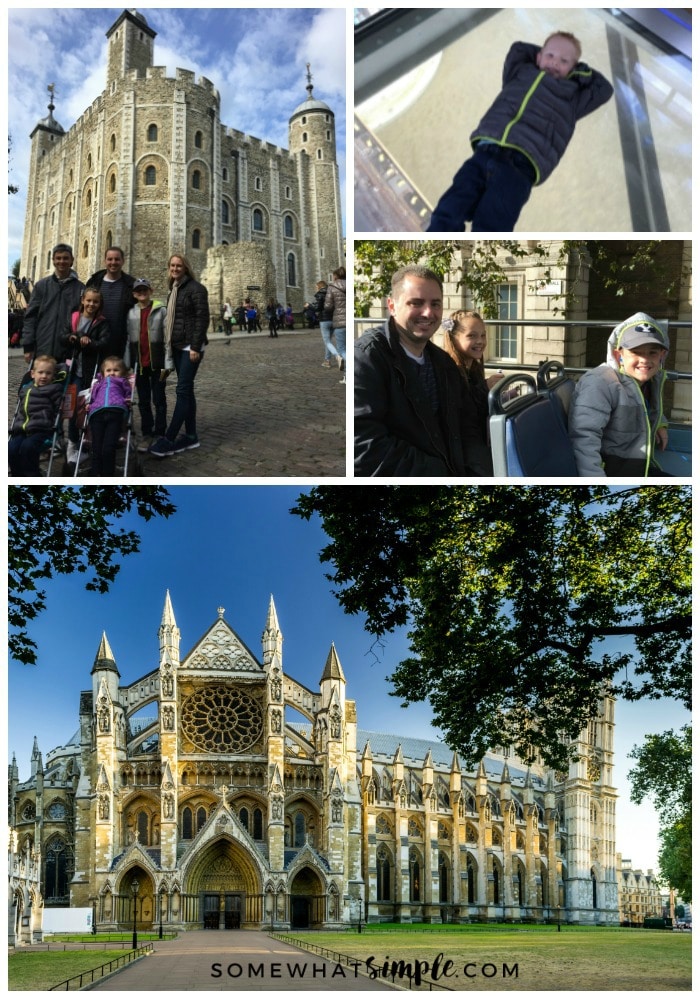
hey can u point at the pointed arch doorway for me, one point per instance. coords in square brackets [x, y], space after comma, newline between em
[226, 880]
[307, 900]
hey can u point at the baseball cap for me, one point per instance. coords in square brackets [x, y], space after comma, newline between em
[639, 329]
[142, 283]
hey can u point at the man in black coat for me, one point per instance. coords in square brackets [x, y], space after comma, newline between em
[412, 415]
[53, 300]
[117, 289]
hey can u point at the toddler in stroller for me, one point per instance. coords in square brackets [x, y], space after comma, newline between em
[37, 417]
[108, 404]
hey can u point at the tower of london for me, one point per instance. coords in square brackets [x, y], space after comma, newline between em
[150, 167]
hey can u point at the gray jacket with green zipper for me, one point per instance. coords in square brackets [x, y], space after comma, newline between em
[536, 113]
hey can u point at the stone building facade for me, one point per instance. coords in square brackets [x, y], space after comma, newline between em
[150, 167]
[195, 787]
[638, 892]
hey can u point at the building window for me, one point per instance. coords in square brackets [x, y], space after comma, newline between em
[196, 180]
[196, 239]
[288, 227]
[258, 184]
[85, 250]
[328, 134]
[149, 176]
[319, 154]
[152, 133]
[414, 874]
[201, 818]
[288, 193]
[304, 136]
[113, 142]
[257, 220]
[505, 340]
[383, 875]
[88, 198]
[56, 871]
[444, 878]
[198, 140]
[187, 823]
[243, 816]
[112, 183]
[471, 896]
[89, 161]
[224, 213]
[257, 824]
[224, 174]
[142, 826]
[594, 885]
[299, 829]
[291, 269]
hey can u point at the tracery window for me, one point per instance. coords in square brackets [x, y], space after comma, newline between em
[414, 873]
[218, 719]
[383, 875]
[57, 870]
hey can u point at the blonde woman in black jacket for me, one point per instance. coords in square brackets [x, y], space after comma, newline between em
[186, 324]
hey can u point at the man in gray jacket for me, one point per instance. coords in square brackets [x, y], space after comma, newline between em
[54, 299]
[616, 417]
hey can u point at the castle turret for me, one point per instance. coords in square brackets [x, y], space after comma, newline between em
[312, 138]
[105, 669]
[130, 46]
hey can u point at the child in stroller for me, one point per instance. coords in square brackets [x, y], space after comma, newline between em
[36, 418]
[109, 403]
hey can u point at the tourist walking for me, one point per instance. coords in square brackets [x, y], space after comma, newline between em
[335, 304]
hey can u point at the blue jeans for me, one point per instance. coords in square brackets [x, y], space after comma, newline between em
[340, 340]
[25, 451]
[185, 403]
[489, 190]
[326, 333]
[151, 389]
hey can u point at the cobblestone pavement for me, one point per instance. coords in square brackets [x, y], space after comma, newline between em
[207, 961]
[265, 407]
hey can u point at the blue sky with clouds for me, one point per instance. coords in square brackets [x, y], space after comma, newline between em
[256, 58]
[234, 547]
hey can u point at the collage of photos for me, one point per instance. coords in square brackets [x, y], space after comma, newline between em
[441, 738]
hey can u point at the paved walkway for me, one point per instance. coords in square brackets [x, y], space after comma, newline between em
[265, 407]
[250, 960]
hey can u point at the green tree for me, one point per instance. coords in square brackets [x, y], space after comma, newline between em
[54, 530]
[663, 773]
[523, 603]
[481, 269]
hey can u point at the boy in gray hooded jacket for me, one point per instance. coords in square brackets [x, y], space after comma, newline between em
[616, 417]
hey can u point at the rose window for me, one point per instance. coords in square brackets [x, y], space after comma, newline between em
[219, 719]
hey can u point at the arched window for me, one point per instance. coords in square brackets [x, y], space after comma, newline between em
[88, 198]
[594, 885]
[257, 824]
[152, 133]
[108, 238]
[258, 184]
[142, 826]
[112, 142]
[444, 878]
[85, 249]
[112, 183]
[414, 874]
[201, 817]
[224, 213]
[196, 239]
[149, 176]
[196, 180]
[291, 269]
[288, 227]
[243, 816]
[299, 829]
[257, 220]
[471, 896]
[304, 136]
[56, 871]
[224, 174]
[187, 823]
[383, 875]
[198, 140]
[319, 154]
[89, 161]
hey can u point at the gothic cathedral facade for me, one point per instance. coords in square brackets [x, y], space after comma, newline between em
[192, 797]
[150, 167]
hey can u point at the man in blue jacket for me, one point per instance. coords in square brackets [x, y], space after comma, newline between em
[522, 136]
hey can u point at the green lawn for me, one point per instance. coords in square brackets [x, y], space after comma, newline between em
[42, 970]
[526, 958]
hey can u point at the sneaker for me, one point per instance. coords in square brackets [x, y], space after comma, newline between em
[145, 443]
[162, 448]
[342, 380]
[71, 453]
[341, 363]
[326, 364]
[186, 443]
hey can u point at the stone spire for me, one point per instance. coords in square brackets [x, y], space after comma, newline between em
[169, 633]
[333, 670]
[104, 660]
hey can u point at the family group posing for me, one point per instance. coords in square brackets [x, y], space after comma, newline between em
[105, 328]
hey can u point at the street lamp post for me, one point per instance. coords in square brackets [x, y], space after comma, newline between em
[134, 892]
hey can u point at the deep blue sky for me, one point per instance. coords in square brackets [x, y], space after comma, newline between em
[256, 58]
[234, 546]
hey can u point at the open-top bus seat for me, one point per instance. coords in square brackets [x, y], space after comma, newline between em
[553, 380]
[528, 434]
